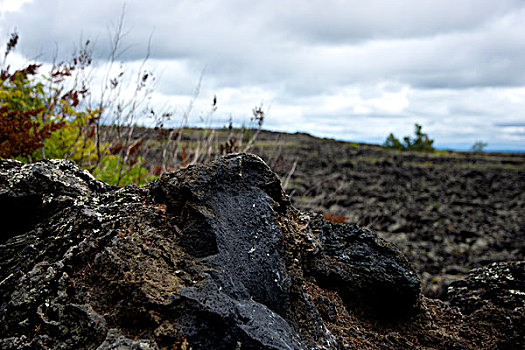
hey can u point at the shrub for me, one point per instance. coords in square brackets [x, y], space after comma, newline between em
[41, 118]
[420, 143]
[393, 142]
[22, 129]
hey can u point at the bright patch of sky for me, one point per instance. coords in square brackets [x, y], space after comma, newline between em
[11, 5]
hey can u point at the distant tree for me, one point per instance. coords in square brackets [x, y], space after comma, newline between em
[393, 142]
[421, 142]
[479, 146]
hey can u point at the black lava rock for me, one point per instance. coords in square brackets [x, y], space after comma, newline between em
[208, 257]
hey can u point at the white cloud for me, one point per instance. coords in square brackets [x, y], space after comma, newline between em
[11, 5]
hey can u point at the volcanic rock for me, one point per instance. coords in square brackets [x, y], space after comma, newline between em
[208, 257]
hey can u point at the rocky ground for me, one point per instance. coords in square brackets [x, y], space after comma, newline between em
[215, 256]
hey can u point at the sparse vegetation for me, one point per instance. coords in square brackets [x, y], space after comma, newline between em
[49, 116]
[60, 115]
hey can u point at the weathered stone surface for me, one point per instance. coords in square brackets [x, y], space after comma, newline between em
[494, 298]
[115, 340]
[226, 214]
[208, 257]
[32, 193]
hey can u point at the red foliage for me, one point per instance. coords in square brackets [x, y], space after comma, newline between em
[20, 134]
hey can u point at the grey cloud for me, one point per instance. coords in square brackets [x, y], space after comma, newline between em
[511, 124]
[425, 44]
[355, 21]
[332, 118]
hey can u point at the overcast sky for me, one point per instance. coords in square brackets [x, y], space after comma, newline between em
[353, 70]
